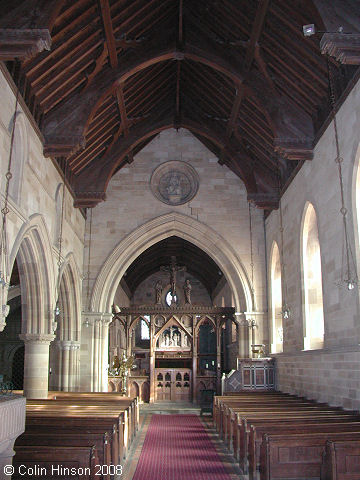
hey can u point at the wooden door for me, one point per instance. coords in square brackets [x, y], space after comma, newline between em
[173, 385]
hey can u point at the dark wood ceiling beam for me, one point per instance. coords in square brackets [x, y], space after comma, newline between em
[98, 181]
[177, 99]
[156, 13]
[119, 93]
[194, 91]
[109, 33]
[93, 151]
[72, 115]
[256, 32]
[145, 82]
[239, 95]
[211, 81]
[275, 46]
[32, 34]
[61, 52]
[181, 27]
[71, 77]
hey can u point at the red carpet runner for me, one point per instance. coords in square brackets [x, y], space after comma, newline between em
[177, 447]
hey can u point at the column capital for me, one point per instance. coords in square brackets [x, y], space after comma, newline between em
[75, 345]
[102, 317]
[40, 338]
[64, 344]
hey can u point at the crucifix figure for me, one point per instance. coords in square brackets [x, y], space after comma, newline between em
[173, 269]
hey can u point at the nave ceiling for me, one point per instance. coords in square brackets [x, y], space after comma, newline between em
[103, 78]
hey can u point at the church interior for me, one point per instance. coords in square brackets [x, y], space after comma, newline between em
[180, 233]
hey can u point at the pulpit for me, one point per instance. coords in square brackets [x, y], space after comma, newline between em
[252, 374]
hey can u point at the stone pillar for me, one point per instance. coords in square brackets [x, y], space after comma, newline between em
[244, 342]
[64, 347]
[94, 351]
[87, 351]
[74, 366]
[36, 369]
[104, 351]
[12, 413]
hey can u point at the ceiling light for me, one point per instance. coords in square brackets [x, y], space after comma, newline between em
[309, 30]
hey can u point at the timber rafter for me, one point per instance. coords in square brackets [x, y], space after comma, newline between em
[239, 74]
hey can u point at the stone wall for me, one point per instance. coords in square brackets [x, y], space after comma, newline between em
[331, 374]
[35, 185]
[221, 204]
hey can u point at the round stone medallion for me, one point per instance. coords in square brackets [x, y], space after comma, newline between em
[174, 183]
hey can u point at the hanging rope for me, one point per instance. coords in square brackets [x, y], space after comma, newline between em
[351, 275]
[251, 254]
[62, 214]
[285, 309]
[5, 210]
[88, 266]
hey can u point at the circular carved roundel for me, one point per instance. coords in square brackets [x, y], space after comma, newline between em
[174, 182]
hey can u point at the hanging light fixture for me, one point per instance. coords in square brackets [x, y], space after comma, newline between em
[349, 278]
[285, 311]
[4, 259]
[57, 310]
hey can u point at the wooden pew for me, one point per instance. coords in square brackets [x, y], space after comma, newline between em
[312, 426]
[75, 404]
[278, 417]
[42, 463]
[296, 456]
[60, 419]
[341, 460]
[43, 437]
[133, 403]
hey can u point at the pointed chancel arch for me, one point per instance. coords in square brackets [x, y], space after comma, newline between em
[172, 224]
[276, 320]
[313, 312]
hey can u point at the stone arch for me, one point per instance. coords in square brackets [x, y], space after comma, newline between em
[156, 230]
[32, 248]
[70, 298]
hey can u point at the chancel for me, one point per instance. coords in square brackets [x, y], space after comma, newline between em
[180, 220]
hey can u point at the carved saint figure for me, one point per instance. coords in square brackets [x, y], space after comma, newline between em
[174, 187]
[158, 289]
[187, 291]
[176, 339]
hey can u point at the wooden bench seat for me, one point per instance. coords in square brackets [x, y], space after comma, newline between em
[341, 460]
[82, 422]
[296, 456]
[44, 462]
[45, 437]
[313, 426]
